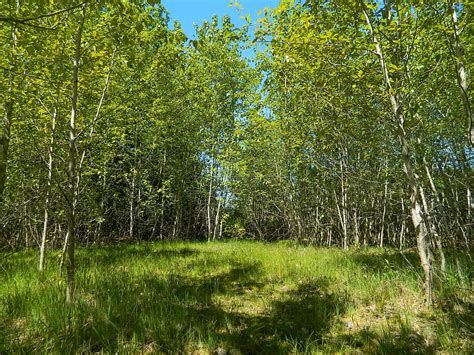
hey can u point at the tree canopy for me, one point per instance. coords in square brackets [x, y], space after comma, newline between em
[350, 126]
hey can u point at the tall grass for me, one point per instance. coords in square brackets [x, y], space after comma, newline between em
[237, 297]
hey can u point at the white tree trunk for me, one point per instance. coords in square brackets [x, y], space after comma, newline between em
[72, 168]
[461, 73]
[419, 224]
[44, 233]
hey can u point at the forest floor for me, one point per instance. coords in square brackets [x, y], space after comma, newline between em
[234, 297]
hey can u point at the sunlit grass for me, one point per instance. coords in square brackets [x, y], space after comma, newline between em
[242, 297]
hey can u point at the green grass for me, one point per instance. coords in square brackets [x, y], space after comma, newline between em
[234, 297]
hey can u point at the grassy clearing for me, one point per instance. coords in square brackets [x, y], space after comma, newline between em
[229, 297]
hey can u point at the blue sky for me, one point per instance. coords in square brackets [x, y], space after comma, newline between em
[188, 12]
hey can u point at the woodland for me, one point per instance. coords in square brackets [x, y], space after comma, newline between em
[298, 184]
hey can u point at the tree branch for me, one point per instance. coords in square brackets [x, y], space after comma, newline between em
[26, 21]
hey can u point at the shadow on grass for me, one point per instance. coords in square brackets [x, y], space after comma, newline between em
[121, 254]
[175, 313]
[457, 315]
[453, 312]
[386, 260]
[401, 340]
[297, 323]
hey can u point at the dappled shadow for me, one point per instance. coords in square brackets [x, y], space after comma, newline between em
[12, 263]
[177, 299]
[120, 254]
[401, 340]
[457, 315]
[239, 276]
[452, 313]
[174, 313]
[387, 260]
[296, 323]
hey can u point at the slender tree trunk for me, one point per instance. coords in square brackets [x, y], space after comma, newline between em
[382, 229]
[48, 192]
[24, 231]
[341, 221]
[371, 223]
[176, 219]
[8, 116]
[72, 169]
[431, 221]
[403, 227]
[162, 214]
[209, 198]
[220, 228]
[461, 73]
[163, 194]
[4, 145]
[216, 222]
[356, 228]
[344, 211]
[419, 224]
[137, 209]
[470, 213]
[132, 207]
[433, 230]
[467, 173]
[102, 207]
[64, 250]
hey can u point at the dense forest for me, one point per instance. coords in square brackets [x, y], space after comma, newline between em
[336, 123]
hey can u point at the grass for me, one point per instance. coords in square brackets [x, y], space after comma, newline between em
[229, 297]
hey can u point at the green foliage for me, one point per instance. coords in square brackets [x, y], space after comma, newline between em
[191, 139]
[194, 138]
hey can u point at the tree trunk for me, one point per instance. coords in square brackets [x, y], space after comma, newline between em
[48, 192]
[216, 222]
[356, 228]
[9, 105]
[72, 169]
[163, 194]
[419, 224]
[209, 199]
[64, 250]
[384, 212]
[344, 210]
[470, 213]
[461, 73]
[403, 227]
[433, 229]
[4, 144]
[132, 208]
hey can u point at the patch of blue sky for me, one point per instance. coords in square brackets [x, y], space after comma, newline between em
[194, 12]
